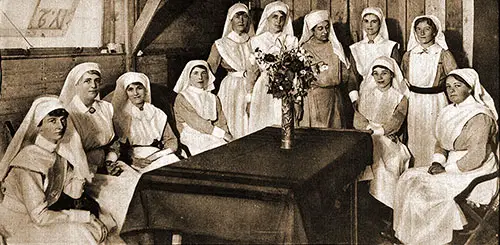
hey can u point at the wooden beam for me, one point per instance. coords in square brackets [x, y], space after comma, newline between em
[142, 24]
[438, 9]
[468, 28]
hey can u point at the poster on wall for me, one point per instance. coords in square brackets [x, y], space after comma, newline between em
[51, 18]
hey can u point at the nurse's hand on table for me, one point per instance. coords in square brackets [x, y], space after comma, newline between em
[436, 168]
[228, 137]
[140, 162]
[113, 169]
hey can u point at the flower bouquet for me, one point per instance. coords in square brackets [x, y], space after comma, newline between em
[291, 72]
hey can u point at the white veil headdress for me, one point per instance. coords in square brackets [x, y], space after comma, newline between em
[398, 81]
[228, 27]
[68, 90]
[70, 146]
[439, 39]
[268, 10]
[120, 99]
[202, 100]
[310, 21]
[383, 31]
[479, 93]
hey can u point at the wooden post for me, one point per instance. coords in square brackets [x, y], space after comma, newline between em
[128, 12]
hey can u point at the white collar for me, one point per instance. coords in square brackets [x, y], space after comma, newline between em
[468, 101]
[196, 89]
[78, 104]
[238, 38]
[433, 49]
[378, 39]
[45, 144]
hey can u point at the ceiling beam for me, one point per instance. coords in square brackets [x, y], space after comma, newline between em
[143, 22]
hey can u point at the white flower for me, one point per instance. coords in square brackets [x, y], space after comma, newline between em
[303, 72]
[280, 87]
[323, 68]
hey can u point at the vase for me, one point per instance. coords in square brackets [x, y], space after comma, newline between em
[287, 124]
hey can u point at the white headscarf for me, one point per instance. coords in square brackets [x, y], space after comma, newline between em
[398, 81]
[383, 32]
[479, 93]
[268, 11]
[311, 20]
[202, 100]
[70, 146]
[439, 39]
[228, 26]
[120, 97]
[379, 106]
[68, 90]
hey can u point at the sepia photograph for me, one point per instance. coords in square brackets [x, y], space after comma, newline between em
[249, 122]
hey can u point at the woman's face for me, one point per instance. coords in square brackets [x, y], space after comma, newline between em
[52, 128]
[425, 33]
[87, 88]
[198, 77]
[240, 22]
[321, 31]
[276, 21]
[456, 90]
[371, 24]
[136, 93]
[383, 77]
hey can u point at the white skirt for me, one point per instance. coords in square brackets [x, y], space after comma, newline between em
[232, 94]
[264, 109]
[114, 193]
[198, 142]
[423, 110]
[424, 209]
[390, 160]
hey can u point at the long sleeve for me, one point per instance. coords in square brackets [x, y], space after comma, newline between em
[394, 123]
[168, 139]
[476, 136]
[395, 54]
[113, 150]
[405, 65]
[360, 121]
[214, 59]
[221, 121]
[185, 113]
[446, 64]
[354, 80]
[31, 187]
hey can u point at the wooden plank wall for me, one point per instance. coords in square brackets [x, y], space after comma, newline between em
[456, 17]
[23, 79]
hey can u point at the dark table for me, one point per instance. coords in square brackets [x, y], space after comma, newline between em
[252, 191]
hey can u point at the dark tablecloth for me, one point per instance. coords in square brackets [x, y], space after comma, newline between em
[250, 190]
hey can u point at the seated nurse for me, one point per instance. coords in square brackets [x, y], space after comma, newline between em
[140, 123]
[43, 162]
[92, 117]
[466, 133]
[382, 109]
[198, 113]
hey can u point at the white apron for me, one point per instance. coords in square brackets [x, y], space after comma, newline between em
[232, 90]
[423, 109]
[198, 142]
[264, 109]
[390, 159]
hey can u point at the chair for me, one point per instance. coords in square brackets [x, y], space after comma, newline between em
[485, 218]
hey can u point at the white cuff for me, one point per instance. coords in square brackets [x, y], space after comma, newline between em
[378, 131]
[77, 215]
[248, 97]
[439, 158]
[354, 95]
[112, 156]
[218, 132]
[452, 168]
